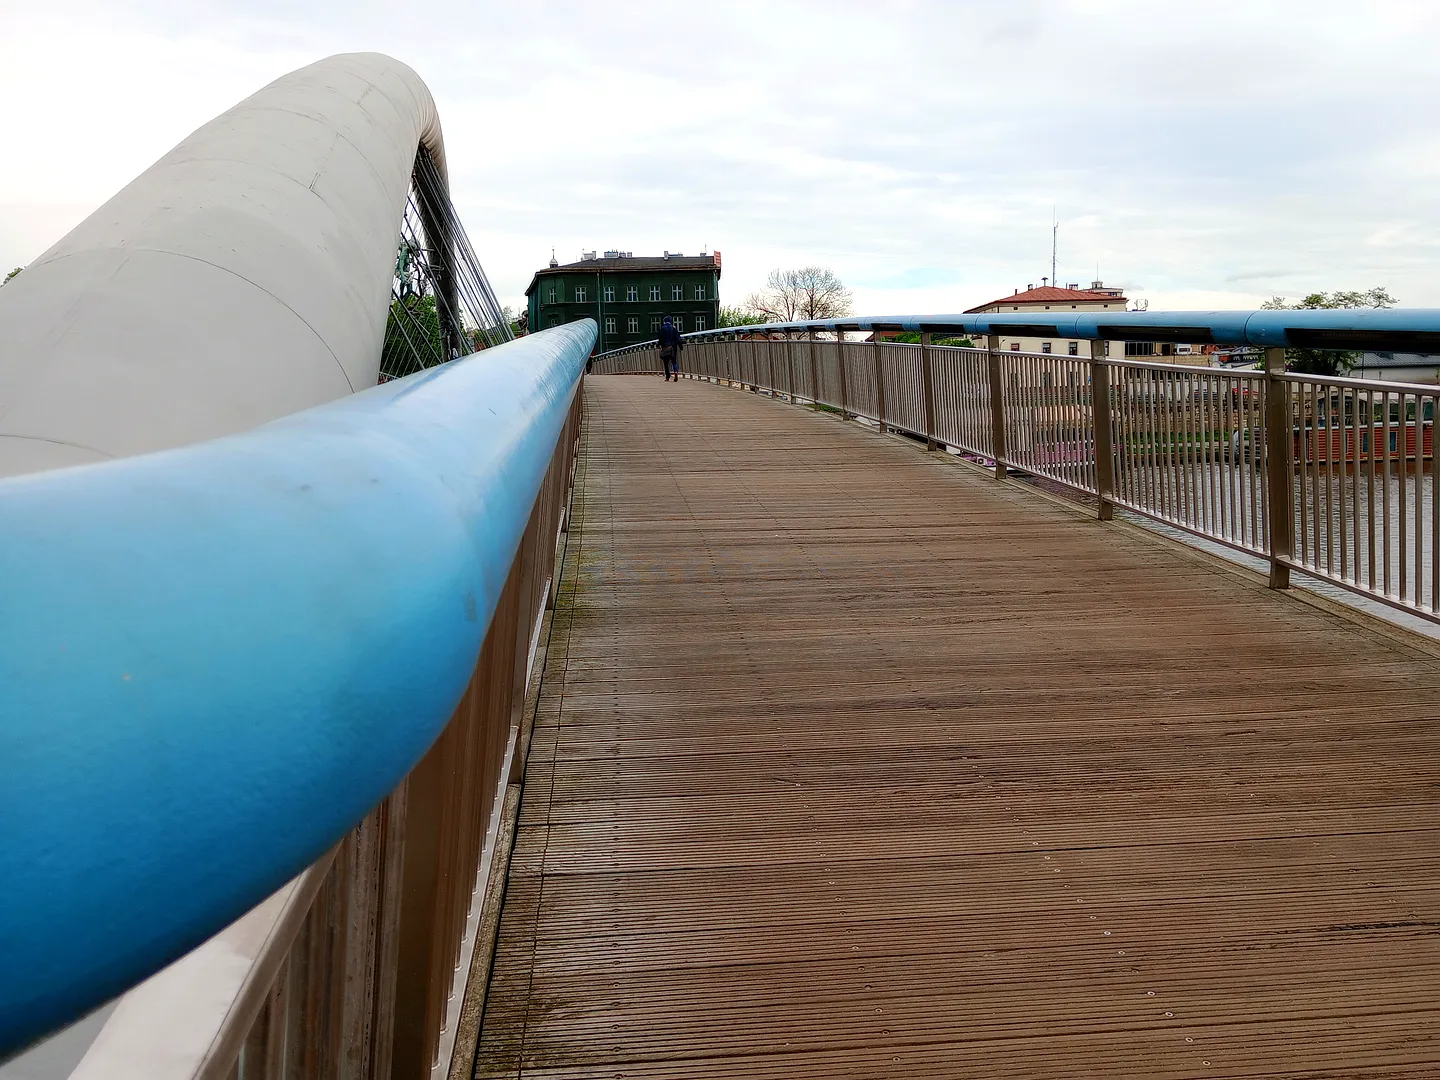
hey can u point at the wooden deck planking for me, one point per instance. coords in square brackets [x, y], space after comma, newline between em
[861, 765]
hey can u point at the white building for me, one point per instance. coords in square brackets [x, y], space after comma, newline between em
[1073, 300]
[1397, 367]
[1069, 300]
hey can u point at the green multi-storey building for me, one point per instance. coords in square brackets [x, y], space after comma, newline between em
[628, 296]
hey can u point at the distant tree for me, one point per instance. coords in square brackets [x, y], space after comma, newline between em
[739, 316]
[910, 337]
[11, 274]
[812, 292]
[412, 337]
[1328, 361]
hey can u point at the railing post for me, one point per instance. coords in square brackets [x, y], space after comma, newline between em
[928, 384]
[814, 372]
[790, 365]
[754, 366]
[1104, 432]
[879, 382]
[997, 406]
[1279, 468]
[844, 390]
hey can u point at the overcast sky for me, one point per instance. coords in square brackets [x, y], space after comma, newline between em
[1205, 154]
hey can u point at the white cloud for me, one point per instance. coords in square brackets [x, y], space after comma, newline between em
[1218, 152]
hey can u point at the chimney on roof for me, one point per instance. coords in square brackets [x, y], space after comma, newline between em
[1030, 286]
[586, 256]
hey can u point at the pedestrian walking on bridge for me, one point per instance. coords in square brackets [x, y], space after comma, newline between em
[670, 346]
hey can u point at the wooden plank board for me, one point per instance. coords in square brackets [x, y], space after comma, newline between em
[860, 764]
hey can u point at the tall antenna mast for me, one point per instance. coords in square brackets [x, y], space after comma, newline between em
[1054, 242]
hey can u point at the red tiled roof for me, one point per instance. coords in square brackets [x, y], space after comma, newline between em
[1049, 294]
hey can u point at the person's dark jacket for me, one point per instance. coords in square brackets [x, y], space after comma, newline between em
[670, 339]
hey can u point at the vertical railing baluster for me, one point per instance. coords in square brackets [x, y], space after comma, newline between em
[927, 387]
[1254, 406]
[879, 382]
[1385, 490]
[1344, 465]
[1169, 497]
[1312, 450]
[1402, 515]
[1279, 469]
[997, 406]
[1325, 474]
[1370, 488]
[790, 365]
[814, 372]
[1192, 473]
[1195, 402]
[1212, 456]
[1104, 433]
[1144, 410]
[1223, 457]
[1434, 508]
[1305, 491]
[1351, 453]
[1419, 498]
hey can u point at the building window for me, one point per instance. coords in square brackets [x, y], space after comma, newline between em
[1139, 348]
[632, 293]
[580, 294]
[554, 293]
[655, 322]
[609, 294]
[654, 294]
[699, 322]
[632, 324]
[1045, 346]
[699, 292]
[679, 321]
[1014, 346]
[677, 292]
[1105, 347]
[609, 324]
[1074, 348]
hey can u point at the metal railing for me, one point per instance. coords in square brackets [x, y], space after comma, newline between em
[278, 676]
[1331, 477]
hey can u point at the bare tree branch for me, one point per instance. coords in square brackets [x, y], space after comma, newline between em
[812, 292]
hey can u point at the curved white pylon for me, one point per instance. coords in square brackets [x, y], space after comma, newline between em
[243, 276]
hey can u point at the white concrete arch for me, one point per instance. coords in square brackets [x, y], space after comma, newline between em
[244, 276]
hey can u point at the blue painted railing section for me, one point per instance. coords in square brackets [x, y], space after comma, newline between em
[1393, 329]
[217, 659]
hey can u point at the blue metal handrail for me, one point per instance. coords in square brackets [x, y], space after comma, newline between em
[1412, 330]
[217, 659]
